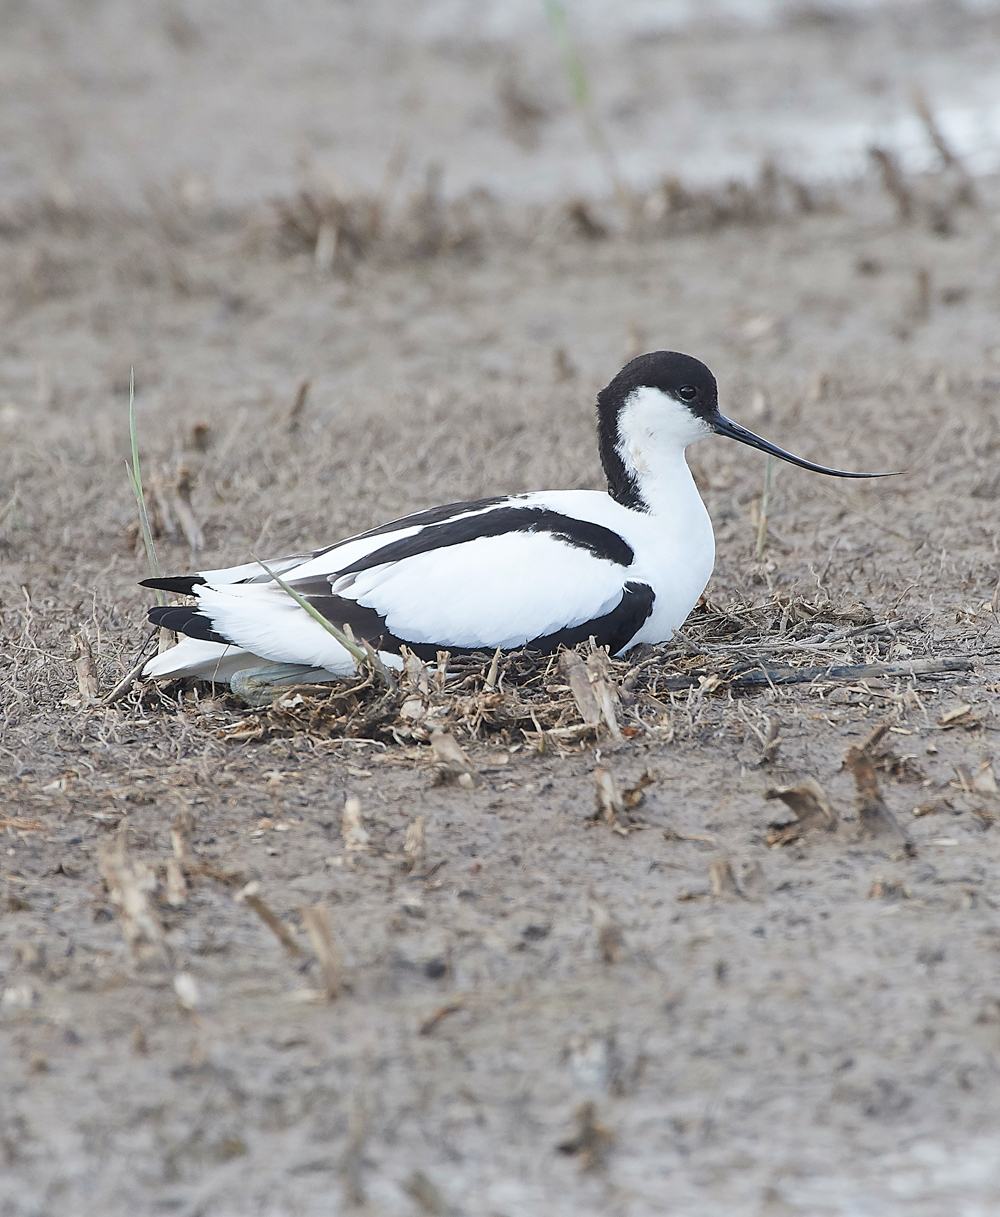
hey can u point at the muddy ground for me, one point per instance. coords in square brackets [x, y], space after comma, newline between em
[819, 1036]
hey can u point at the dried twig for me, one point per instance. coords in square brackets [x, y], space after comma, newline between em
[920, 307]
[451, 762]
[575, 671]
[875, 818]
[425, 1195]
[722, 879]
[609, 804]
[353, 1162]
[352, 829]
[888, 889]
[123, 686]
[610, 938]
[491, 676]
[959, 715]
[186, 988]
[985, 781]
[949, 158]
[834, 674]
[602, 682]
[250, 896]
[130, 884]
[20, 824]
[894, 182]
[634, 795]
[185, 513]
[811, 807]
[180, 836]
[86, 671]
[591, 1140]
[415, 844]
[317, 922]
[294, 417]
[176, 883]
[593, 688]
[428, 1025]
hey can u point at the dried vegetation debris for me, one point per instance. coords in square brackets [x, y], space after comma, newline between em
[585, 695]
[615, 807]
[722, 653]
[340, 230]
[473, 703]
[590, 1139]
[809, 804]
[812, 810]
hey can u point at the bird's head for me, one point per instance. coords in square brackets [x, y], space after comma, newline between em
[657, 405]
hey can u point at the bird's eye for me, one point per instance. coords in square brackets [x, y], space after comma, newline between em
[687, 393]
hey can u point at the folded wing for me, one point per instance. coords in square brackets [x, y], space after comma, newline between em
[507, 574]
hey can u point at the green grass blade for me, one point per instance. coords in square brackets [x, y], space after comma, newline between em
[765, 510]
[364, 656]
[135, 481]
[357, 653]
[579, 83]
[573, 66]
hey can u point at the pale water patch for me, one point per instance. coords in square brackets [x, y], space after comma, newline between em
[238, 104]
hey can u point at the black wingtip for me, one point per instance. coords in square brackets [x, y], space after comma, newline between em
[185, 619]
[180, 585]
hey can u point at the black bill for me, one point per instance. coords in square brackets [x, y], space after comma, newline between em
[724, 426]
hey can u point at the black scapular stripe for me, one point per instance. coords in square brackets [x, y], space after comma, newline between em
[185, 619]
[433, 515]
[581, 534]
[613, 630]
[180, 585]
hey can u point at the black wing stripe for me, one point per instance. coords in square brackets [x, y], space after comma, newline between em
[184, 619]
[581, 534]
[613, 630]
[433, 515]
[419, 519]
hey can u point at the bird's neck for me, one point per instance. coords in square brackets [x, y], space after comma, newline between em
[642, 443]
[650, 478]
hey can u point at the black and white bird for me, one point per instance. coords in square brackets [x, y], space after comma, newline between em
[540, 570]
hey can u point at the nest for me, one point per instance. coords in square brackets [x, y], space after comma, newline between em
[560, 699]
[477, 697]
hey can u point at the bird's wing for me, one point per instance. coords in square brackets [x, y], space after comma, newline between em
[472, 576]
[510, 576]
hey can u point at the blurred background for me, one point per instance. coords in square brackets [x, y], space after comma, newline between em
[242, 100]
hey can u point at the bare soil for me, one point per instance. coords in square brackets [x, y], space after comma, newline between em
[545, 1015]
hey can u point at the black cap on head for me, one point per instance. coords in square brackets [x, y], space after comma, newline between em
[682, 376]
[685, 379]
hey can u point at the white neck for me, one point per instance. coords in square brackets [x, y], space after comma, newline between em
[653, 432]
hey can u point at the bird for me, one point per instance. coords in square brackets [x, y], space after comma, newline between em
[538, 570]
